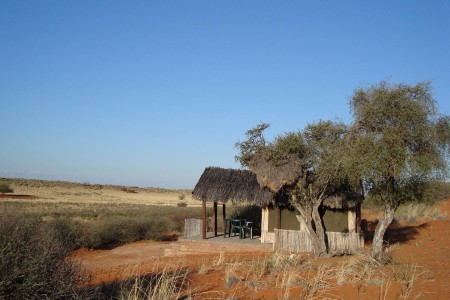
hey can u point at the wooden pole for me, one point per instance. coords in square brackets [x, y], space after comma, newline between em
[224, 215]
[215, 218]
[204, 220]
[278, 211]
[358, 218]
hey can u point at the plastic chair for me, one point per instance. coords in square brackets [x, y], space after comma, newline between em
[236, 226]
[248, 226]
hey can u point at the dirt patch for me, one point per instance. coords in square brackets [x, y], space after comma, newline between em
[420, 269]
[122, 262]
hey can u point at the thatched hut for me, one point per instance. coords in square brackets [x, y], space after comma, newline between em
[224, 185]
[217, 185]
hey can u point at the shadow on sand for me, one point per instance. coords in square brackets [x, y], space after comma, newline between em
[395, 233]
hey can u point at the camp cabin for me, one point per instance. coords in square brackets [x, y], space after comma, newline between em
[279, 223]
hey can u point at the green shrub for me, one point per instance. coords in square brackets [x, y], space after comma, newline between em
[100, 225]
[68, 233]
[182, 204]
[33, 264]
[106, 233]
[436, 191]
[4, 188]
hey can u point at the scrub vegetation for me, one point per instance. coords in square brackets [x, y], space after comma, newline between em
[103, 226]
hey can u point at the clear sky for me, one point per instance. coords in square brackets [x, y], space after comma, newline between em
[149, 93]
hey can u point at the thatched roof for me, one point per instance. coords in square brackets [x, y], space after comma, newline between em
[343, 201]
[241, 186]
[237, 186]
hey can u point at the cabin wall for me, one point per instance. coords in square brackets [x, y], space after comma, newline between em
[269, 222]
[288, 219]
[266, 236]
[336, 220]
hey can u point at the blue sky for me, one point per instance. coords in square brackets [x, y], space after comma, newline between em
[150, 93]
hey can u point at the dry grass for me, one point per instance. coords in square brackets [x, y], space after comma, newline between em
[286, 276]
[408, 274]
[413, 211]
[384, 289]
[169, 283]
[61, 191]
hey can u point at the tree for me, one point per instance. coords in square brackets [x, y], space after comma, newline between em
[4, 188]
[399, 144]
[306, 165]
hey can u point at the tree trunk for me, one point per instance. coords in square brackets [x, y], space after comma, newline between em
[377, 243]
[307, 215]
[320, 231]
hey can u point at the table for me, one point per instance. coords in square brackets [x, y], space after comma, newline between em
[230, 224]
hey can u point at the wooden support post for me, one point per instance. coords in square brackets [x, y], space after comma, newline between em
[352, 220]
[358, 218]
[224, 215]
[204, 220]
[215, 219]
[278, 212]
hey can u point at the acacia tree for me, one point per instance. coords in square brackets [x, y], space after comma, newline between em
[306, 165]
[399, 143]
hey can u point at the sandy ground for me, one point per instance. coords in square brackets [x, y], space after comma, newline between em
[420, 251]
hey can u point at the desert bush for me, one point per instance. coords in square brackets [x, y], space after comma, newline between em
[4, 188]
[120, 230]
[67, 232]
[182, 204]
[100, 225]
[436, 191]
[33, 263]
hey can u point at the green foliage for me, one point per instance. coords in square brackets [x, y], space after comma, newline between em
[116, 231]
[399, 140]
[307, 165]
[399, 145]
[248, 148]
[436, 191]
[33, 264]
[312, 156]
[33, 252]
[284, 148]
[101, 225]
[4, 188]
[327, 146]
[67, 232]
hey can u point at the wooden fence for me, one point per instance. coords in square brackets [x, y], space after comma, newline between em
[299, 241]
[192, 227]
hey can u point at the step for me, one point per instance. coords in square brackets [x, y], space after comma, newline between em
[184, 247]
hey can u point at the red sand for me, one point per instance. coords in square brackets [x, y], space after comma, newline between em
[425, 245]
